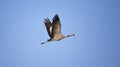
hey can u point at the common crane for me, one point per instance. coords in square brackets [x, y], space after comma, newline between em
[54, 29]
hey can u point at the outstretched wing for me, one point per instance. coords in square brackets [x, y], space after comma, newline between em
[48, 25]
[56, 25]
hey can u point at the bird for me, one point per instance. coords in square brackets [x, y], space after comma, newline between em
[54, 29]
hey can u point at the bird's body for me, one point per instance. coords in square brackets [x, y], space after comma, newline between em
[57, 37]
[54, 29]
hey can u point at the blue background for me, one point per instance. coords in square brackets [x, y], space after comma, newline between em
[96, 24]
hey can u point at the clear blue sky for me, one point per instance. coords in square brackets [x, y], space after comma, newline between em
[96, 24]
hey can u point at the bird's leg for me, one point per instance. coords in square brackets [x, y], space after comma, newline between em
[49, 39]
[45, 42]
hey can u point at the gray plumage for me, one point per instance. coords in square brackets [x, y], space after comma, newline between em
[54, 29]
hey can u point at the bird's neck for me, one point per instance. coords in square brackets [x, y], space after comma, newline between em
[70, 35]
